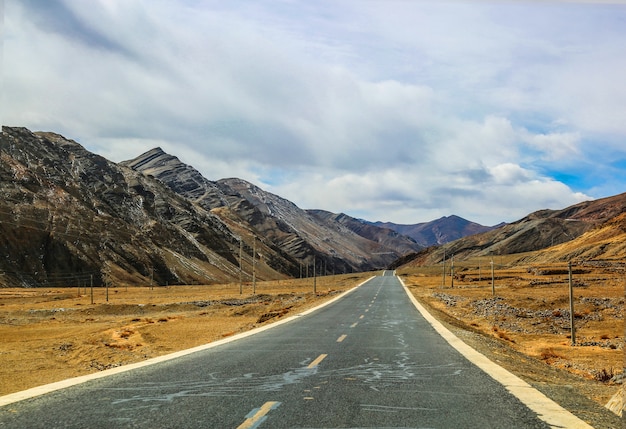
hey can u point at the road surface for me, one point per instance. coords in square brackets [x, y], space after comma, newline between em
[367, 360]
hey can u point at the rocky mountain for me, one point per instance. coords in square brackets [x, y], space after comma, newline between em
[296, 234]
[439, 231]
[69, 216]
[582, 230]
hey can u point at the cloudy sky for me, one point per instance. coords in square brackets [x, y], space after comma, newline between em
[401, 111]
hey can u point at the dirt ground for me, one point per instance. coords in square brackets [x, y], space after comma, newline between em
[52, 334]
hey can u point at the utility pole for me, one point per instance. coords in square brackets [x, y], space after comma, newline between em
[240, 267]
[571, 304]
[443, 276]
[254, 265]
[314, 278]
[452, 272]
[493, 286]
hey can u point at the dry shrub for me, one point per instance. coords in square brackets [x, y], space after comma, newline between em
[126, 333]
[603, 375]
[549, 354]
[267, 316]
[501, 334]
[504, 336]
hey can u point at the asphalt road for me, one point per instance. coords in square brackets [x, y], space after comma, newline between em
[367, 360]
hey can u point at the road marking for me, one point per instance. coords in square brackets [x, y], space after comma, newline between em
[547, 410]
[258, 415]
[340, 339]
[317, 361]
[388, 409]
[354, 324]
[361, 316]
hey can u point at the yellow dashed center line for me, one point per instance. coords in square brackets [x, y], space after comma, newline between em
[317, 361]
[340, 339]
[361, 316]
[354, 324]
[255, 416]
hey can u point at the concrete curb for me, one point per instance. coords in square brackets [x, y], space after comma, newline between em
[48, 388]
[546, 409]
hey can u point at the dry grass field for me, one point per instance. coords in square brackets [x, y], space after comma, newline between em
[530, 312]
[49, 334]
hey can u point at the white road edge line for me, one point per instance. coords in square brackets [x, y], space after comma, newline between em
[51, 387]
[546, 409]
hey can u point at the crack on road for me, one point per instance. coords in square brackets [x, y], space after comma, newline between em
[156, 394]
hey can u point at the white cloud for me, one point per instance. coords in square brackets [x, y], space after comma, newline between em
[555, 146]
[400, 111]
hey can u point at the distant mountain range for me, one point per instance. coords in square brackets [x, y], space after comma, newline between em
[591, 230]
[70, 217]
[440, 231]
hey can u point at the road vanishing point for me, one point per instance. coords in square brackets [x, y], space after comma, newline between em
[371, 359]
